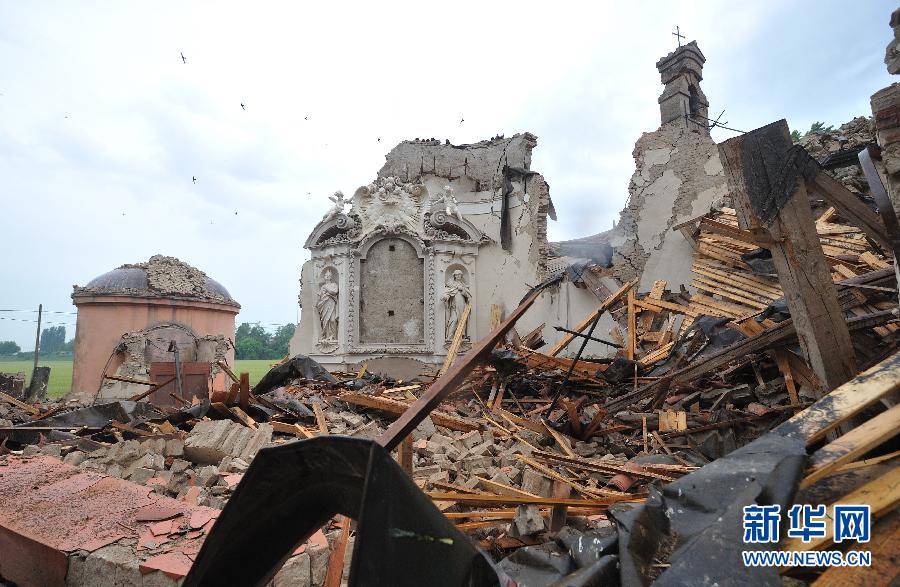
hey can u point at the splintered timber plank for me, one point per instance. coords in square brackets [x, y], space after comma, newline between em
[632, 327]
[604, 306]
[846, 401]
[714, 253]
[501, 488]
[321, 421]
[659, 305]
[714, 226]
[857, 442]
[755, 283]
[335, 569]
[457, 339]
[657, 354]
[19, 404]
[872, 261]
[885, 548]
[496, 316]
[397, 408]
[882, 495]
[850, 207]
[596, 466]
[583, 369]
[245, 418]
[781, 360]
[295, 429]
[469, 499]
[656, 293]
[826, 216]
[725, 306]
[734, 293]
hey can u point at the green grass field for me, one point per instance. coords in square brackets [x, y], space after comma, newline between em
[61, 372]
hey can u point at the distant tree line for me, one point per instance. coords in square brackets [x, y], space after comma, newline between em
[252, 341]
[53, 343]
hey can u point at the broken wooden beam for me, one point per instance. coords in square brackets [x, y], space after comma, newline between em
[450, 380]
[392, 406]
[767, 180]
[19, 404]
[604, 306]
[483, 499]
[857, 442]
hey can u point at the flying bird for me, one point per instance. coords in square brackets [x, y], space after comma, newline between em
[183, 58]
[243, 107]
[194, 178]
[379, 139]
[306, 117]
[462, 120]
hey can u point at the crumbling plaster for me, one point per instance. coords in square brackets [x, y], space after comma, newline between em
[677, 176]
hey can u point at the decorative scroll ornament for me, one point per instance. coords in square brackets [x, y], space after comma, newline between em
[390, 205]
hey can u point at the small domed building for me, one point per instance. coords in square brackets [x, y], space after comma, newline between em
[147, 321]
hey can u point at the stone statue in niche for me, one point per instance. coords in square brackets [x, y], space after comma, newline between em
[456, 296]
[327, 307]
[338, 208]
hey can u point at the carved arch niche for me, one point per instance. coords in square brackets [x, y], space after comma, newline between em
[392, 309]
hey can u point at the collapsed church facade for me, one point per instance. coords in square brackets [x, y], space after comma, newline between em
[442, 228]
[447, 226]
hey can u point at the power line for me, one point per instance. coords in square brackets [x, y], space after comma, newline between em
[35, 321]
[716, 123]
[45, 311]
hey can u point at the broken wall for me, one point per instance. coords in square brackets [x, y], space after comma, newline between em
[132, 357]
[678, 176]
[501, 260]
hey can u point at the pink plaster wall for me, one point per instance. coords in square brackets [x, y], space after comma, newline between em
[102, 320]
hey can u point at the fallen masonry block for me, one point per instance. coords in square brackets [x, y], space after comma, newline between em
[212, 440]
[528, 521]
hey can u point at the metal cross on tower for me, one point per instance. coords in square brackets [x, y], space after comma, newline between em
[677, 34]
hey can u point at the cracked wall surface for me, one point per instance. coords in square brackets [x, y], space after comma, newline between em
[677, 176]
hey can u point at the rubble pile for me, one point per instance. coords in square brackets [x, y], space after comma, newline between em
[836, 150]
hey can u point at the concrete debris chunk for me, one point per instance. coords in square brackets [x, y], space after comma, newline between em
[528, 521]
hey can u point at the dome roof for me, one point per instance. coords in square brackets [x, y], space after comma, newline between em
[159, 277]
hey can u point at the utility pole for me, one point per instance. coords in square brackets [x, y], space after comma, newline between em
[37, 339]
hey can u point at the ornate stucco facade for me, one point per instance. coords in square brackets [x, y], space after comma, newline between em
[424, 239]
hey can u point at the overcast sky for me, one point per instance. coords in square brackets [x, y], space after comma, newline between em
[102, 126]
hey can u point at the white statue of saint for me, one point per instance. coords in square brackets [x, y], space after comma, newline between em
[327, 307]
[456, 296]
[338, 208]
